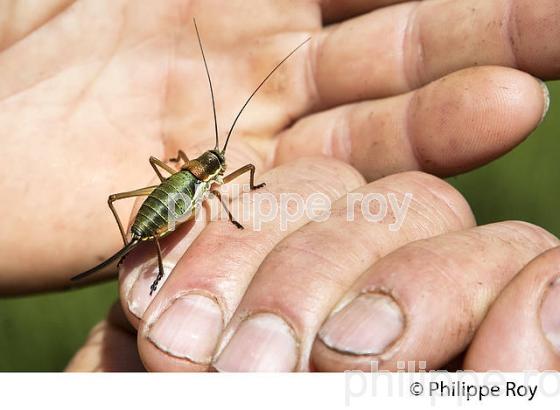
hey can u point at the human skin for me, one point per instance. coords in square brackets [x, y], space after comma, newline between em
[444, 284]
[91, 83]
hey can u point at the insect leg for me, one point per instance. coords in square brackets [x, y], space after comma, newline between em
[115, 197]
[159, 276]
[233, 221]
[180, 156]
[155, 163]
[241, 171]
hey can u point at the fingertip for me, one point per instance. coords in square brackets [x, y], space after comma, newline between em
[472, 116]
[156, 360]
[442, 192]
[520, 332]
[342, 171]
[139, 269]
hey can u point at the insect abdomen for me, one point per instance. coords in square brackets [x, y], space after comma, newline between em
[152, 217]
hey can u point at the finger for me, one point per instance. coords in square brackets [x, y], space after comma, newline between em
[524, 322]
[454, 124]
[333, 10]
[397, 49]
[299, 282]
[180, 329]
[140, 267]
[110, 347]
[423, 302]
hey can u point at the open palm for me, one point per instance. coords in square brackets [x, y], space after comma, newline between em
[90, 89]
[89, 95]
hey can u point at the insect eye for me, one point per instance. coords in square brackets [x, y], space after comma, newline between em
[220, 157]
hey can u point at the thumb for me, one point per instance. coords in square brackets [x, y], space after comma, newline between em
[110, 347]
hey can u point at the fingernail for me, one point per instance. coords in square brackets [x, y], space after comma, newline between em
[189, 328]
[262, 343]
[138, 297]
[546, 94]
[367, 325]
[550, 314]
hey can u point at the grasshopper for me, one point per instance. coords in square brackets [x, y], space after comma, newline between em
[195, 180]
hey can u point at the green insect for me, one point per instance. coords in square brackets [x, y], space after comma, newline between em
[196, 179]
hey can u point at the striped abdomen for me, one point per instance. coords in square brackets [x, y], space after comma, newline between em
[153, 216]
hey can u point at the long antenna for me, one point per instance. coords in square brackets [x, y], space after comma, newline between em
[209, 82]
[257, 89]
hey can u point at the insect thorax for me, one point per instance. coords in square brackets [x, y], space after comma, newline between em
[207, 166]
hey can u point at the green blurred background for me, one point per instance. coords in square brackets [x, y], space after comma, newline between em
[39, 333]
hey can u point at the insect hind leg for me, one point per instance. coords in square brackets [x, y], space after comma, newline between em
[161, 272]
[122, 195]
[155, 163]
[181, 156]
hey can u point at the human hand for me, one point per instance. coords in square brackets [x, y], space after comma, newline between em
[91, 89]
[343, 294]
